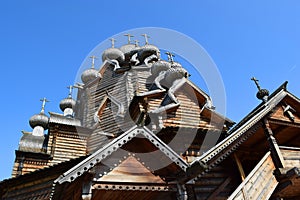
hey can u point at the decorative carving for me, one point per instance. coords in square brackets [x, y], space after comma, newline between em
[113, 146]
[288, 111]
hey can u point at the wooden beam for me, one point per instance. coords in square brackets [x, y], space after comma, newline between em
[240, 167]
[219, 189]
[274, 148]
[275, 132]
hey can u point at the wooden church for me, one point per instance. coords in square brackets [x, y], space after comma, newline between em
[139, 129]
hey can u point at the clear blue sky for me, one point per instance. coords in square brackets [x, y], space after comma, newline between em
[43, 43]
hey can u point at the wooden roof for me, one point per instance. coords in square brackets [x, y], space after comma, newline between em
[240, 133]
[116, 144]
[34, 185]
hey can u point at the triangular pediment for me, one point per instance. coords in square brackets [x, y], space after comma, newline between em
[108, 157]
[288, 109]
[131, 170]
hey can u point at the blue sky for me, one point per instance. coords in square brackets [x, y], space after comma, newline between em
[43, 43]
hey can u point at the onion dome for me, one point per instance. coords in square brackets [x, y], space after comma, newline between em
[127, 48]
[160, 66]
[262, 94]
[89, 75]
[175, 73]
[39, 120]
[68, 102]
[113, 54]
[148, 50]
[176, 65]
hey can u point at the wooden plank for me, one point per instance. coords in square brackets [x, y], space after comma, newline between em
[259, 183]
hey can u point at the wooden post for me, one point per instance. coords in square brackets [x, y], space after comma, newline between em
[274, 148]
[240, 167]
[242, 173]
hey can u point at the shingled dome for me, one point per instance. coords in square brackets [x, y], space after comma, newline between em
[127, 48]
[113, 54]
[39, 120]
[89, 75]
[67, 103]
[160, 66]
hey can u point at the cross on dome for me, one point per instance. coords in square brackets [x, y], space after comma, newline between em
[129, 36]
[44, 100]
[170, 56]
[70, 90]
[136, 42]
[112, 42]
[146, 38]
[93, 61]
[256, 83]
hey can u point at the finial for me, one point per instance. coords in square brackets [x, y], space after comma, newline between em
[112, 42]
[136, 42]
[256, 83]
[262, 94]
[146, 38]
[44, 100]
[170, 56]
[129, 37]
[70, 91]
[93, 61]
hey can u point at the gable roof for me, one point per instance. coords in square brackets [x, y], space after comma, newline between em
[113, 146]
[237, 135]
[35, 184]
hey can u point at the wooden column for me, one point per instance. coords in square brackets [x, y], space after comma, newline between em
[274, 148]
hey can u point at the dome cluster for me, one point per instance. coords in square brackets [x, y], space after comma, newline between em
[120, 55]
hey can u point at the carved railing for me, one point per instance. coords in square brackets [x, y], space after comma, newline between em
[259, 184]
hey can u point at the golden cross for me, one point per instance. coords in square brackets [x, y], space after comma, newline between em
[146, 38]
[112, 42]
[256, 83]
[44, 100]
[93, 61]
[129, 36]
[170, 56]
[70, 90]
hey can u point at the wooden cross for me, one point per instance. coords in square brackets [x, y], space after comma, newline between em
[256, 83]
[112, 42]
[146, 38]
[70, 90]
[44, 100]
[93, 61]
[170, 56]
[129, 36]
